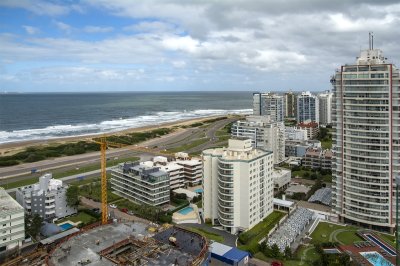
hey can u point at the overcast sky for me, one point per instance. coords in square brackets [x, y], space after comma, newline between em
[117, 45]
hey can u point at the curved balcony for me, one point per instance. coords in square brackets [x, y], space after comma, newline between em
[226, 217]
[225, 222]
[225, 198]
[225, 185]
[225, 179]
[225, 205]
[225, 166]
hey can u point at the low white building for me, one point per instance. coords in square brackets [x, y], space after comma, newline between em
[46, 198]
[294, 133]
[264, 134]
[12, 222]
[237, 185]
[282, 178]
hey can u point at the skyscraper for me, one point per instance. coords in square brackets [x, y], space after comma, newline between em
[269, 104]
[307, 108]
[366, 141]
[290, 104]
[325, 108]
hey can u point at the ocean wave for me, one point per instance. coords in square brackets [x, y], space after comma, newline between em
[157, 118]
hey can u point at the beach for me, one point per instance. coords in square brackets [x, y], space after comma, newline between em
[14, 147]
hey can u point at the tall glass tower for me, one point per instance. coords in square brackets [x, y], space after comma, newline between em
[366, 141]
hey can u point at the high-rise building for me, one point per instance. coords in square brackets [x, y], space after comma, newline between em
[47, 198]
[12, 222]
[290, 104]
[238, 185]
[269, 104]
[264, 134]
[325, 108]
[366, 142]
[307, 108]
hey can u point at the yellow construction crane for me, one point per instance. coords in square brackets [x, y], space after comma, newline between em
[103, 166]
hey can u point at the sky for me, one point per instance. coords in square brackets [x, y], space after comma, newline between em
[172, 45]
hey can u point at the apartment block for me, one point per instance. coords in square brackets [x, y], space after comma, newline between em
[141, 183]
[269, 104]
[238, 185]
[298, 148]
[317, 158]
[294, 133]
[282, 178]
[325, 108]
[12, 222]
[307, 107]
[290, 99]
[264, 134]
[46, 198]
[312, 129]
[366, 141]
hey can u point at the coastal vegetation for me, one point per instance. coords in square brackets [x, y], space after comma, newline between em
[136, 137]
[34, 154]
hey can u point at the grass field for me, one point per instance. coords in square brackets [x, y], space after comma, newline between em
[80, 217]
[324, 230]
[206, 234]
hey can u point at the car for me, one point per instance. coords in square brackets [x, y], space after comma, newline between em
[113, 206]
[125, 210]
[130, 213]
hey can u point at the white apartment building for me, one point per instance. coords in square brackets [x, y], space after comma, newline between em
[141, 183]
[294, 133]
[269, 104]
[238, 185]
[282, 178]
[307, 107]
[325, 108]
[12, 222]
[366, 142]
[46, 198]
[264, 134]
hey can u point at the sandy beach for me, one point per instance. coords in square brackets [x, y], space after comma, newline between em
[14, 147]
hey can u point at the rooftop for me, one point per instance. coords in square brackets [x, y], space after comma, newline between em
[7, 203]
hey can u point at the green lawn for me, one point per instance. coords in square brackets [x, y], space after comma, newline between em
[306, 173]
[324, 230]
[389, 238]
[80, 217]
[249, 239]
[206, 234]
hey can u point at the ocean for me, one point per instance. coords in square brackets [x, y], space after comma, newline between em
[53, 115]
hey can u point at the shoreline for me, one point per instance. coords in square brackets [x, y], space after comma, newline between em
[10, 148]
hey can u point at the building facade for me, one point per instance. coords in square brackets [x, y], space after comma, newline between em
[317, 158]
[325, 108]
[47, 198]
[12, 222]
[264, 134]
[141, 183]
[366, 141]
[312, 129]
[238, 185]
[282, 178]
[290, 104]
[269, 104]
[298, 148]
[294, 133]
[307, 108]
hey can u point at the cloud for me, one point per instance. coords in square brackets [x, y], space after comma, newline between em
[39, 7]
[31, 30]
[63, 26]
[96, 29]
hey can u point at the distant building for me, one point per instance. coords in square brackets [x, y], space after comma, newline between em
[264, 134]
[269, 104]
[307, 107]
[237, 185]
[282, 178]
[312, 129]
[290, 104]
[47, 198]
[316, 158]
[12, 222]
[192, 171]
[294, 133]
[325, 108]
[141, 184]
[298, 148]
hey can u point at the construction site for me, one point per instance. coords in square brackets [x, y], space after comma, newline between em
[131, 244]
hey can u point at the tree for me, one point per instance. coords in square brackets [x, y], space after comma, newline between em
[72, 195]
[288, 253]
[275, 252]
[33, 223]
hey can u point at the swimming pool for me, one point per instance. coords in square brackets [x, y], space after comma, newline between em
[66, 226]
[376, 259]
[382, 245]
[199, 190]
[186, 210]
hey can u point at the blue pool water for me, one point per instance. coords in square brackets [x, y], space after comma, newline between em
[382, 245]
[199, 190]
[66, 226]
[186, 210]
[376, 259]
